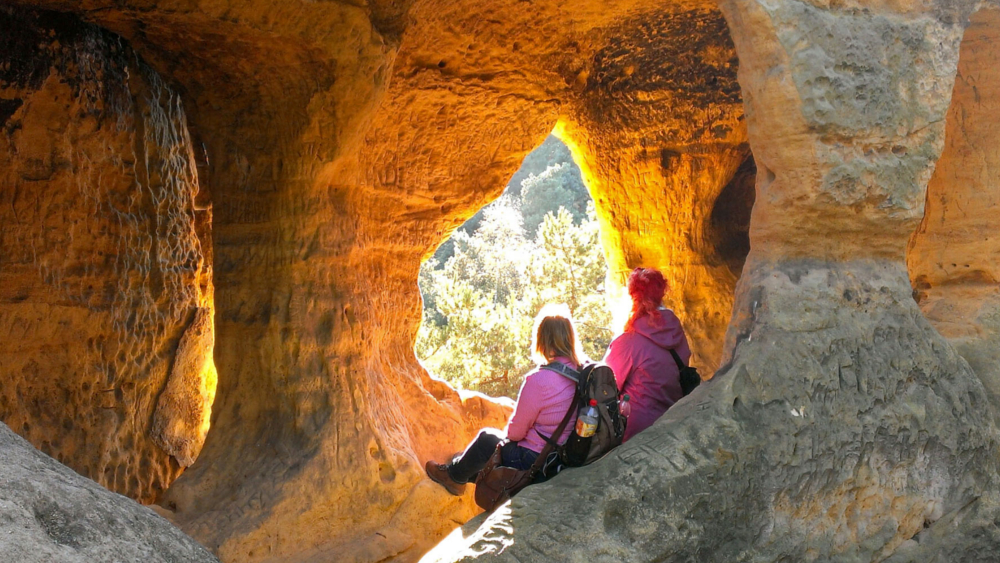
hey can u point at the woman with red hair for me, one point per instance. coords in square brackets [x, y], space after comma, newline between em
[641, 357]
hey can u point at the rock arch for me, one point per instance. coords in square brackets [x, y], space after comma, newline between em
[841, 425]
[335, 164]
[331, 132]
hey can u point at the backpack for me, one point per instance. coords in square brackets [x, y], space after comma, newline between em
[594, 381]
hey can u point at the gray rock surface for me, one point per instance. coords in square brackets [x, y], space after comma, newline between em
[49, 513]
[864, 436]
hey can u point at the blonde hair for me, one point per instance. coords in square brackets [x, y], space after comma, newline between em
[554, 335]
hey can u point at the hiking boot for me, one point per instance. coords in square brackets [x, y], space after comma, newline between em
[439, 474]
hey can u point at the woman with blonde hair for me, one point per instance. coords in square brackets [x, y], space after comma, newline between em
[543, 401]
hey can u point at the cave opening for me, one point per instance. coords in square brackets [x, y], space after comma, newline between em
[953, 257]
[538, 243]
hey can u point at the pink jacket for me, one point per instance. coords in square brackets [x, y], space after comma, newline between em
[541, 405]
[646, 371]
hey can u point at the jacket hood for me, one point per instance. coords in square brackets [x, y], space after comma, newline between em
[666, 332]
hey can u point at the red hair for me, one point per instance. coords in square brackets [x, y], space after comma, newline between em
[646, 286]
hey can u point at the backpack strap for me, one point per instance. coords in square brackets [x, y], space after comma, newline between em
[564, 370]
[677, 358]
[550, 443]
[572, 375]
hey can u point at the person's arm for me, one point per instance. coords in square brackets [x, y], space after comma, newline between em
[620, 361]
[525, 411]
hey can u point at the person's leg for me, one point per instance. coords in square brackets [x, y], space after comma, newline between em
[464, 467]
[517, 457]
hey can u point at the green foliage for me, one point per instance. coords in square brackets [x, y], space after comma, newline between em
[549, 153]
[479, 306]
[558, 187]
[572, 271]
[552, 179]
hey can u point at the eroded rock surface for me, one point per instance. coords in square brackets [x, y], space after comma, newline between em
[841, 426]
[183, 411]
[102, 269]
[343, 141]
[50, 513]
[954, 256]
[659, 131]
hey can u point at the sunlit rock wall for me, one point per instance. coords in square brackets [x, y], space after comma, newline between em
[658, 127]
[841, 425]
[323, 415]
[101, 270]
[343, 141]
[323, 425]
[954, 256]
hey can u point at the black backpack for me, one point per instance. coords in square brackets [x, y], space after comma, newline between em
[594, 381]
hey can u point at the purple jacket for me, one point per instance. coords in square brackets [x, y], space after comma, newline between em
[646, 371]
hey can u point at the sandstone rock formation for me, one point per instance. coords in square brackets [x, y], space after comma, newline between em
[183, 411]
[49, 513]
[842, 426]
[333, 135]
[102, 269]
[342, 141]
[954, 256]
[464, 102]
[659, 132]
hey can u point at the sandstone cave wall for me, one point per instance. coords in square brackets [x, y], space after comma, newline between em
[302, 460]
[954, 255]
[455, 120]
[658, 127]
[102, 270]
[343, 142]
[325, 417]
[337, 161]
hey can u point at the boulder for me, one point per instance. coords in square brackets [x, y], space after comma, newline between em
[50, 513]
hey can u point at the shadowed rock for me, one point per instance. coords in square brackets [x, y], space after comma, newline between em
[50, 513]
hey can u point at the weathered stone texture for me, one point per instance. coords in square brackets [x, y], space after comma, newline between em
[101, 269]
[841, 426]
[322, 276]
[659, 131]
[49, 513]
[954, 256]
[343, 141]
[184, 409]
